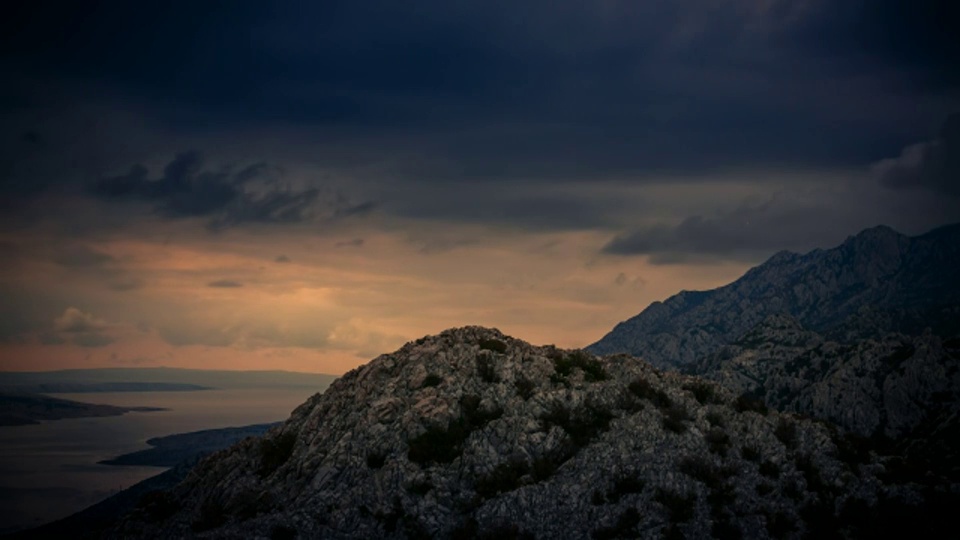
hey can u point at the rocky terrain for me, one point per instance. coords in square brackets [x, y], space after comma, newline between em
[875, 283]
[473, 434]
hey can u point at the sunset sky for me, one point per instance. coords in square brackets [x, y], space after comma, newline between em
[303, 186]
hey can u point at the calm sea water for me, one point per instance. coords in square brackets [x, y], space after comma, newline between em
[49, 471]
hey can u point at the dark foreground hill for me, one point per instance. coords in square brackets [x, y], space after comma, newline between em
[473, 434]
[876, 282]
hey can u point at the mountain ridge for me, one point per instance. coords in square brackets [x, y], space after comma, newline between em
[908, 280]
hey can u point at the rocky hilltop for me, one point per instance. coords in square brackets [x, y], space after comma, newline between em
[473, 434]
[876, 282]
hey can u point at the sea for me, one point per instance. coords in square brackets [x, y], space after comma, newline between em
[50, 470]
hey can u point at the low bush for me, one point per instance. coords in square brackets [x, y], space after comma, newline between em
[769, 469]
[679, 506]
[703, 391]
[644, 390]
[494, 345]
[745, 403]
[443, 444]
[525, 388]
[431, 380]
[718, 441]
[786, 432]
[158, 505]
[582, 425]
[212, 515]
[625, 528]
[504, 477]
[675, 418]
[592, 368]
[750, 453]
[487, 369]
[275, 451]
[375, 460]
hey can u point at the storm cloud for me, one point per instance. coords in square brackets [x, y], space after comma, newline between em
[933, 165]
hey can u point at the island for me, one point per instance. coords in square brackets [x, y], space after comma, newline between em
[25, 409]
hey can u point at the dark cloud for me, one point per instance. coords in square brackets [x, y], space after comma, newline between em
[255, 194]
[79, 256]
[282, 259]
[186, 189]
[497, 90]
[752, 231]
[225, 284]
[933, 165]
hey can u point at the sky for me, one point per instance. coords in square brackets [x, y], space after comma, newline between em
[306, 185]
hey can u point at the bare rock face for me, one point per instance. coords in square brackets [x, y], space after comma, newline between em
[474, 434]
[885, 387]
[876, 282]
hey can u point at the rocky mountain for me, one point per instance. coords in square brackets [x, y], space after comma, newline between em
[876, 282]
[473, 434]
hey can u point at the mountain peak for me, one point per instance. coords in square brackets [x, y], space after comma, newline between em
[873, 235]
[474, 434]
[877, 268]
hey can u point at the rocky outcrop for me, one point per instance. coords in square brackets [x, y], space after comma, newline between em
[889, 386]
[876, 282]
[473, 434]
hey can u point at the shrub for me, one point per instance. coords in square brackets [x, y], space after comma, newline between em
[786, 432]
[505, 477]
[715, 419]
[275, 451]
[769, 469]
[679, 506]
[375, 460]
[853, 449]
[750, 453]
[494, 345]
[582, 425]
[779, 524]
[439, 444]
[624, 486]
[158, 505]
[443, 444]
[765, 488]
[282, 532]
[431, 380]
[745, 403]
[723, 529]
[625, 528]
[718, 441]
[544, 466]
[703, 391]
[211, 516]
[525, 388]
[487, 369]
[592, 368]
[703, 470]
[420, 488]
[675, 418]
[811, 474]
[644, 390]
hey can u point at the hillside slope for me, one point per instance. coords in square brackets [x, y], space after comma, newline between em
[876, 282]
[473, 434]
